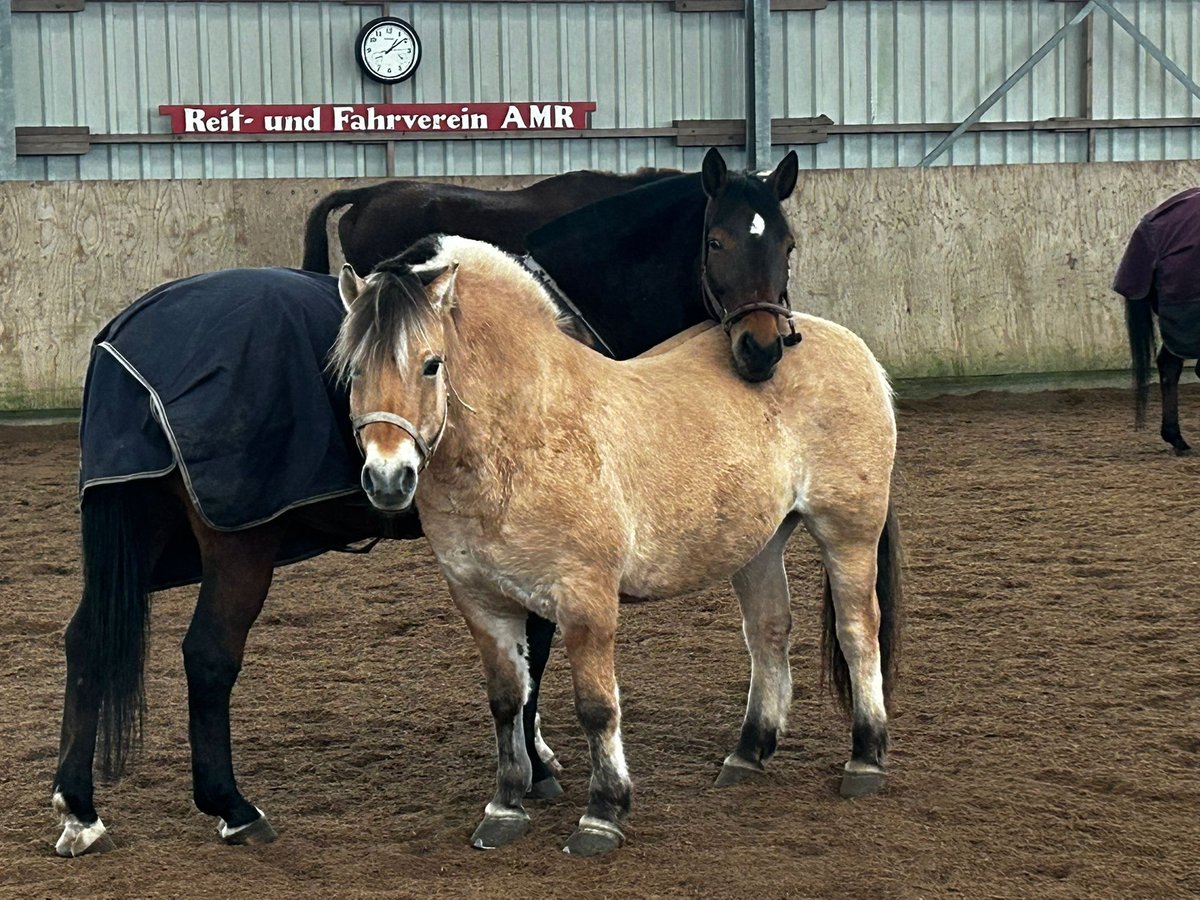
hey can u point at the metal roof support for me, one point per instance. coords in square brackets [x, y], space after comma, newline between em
[1084, 12]
[758, 90]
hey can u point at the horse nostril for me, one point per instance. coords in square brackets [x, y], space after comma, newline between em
[368, 483]
[408, 480]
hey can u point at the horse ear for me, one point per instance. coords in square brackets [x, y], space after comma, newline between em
[440, 288]
[783, 180]
[713, 172]
[350, 286]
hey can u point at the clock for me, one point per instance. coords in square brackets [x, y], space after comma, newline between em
[388, 49]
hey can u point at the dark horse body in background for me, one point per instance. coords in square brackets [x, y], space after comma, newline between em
[178, 488]
[1160, 276]
[385, 218]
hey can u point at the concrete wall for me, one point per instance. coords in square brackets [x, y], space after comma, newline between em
[948, 271]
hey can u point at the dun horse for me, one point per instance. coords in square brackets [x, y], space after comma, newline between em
[215, 447]
[551, 480]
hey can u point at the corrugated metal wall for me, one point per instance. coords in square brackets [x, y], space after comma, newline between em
[860, 62]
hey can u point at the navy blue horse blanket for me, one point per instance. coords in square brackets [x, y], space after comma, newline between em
[1162, 266]
[222, 377]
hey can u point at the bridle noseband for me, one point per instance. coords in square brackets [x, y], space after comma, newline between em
[729, 318]
[424, 448]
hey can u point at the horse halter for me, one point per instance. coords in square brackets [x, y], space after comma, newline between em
[730, 317]
[424, 448]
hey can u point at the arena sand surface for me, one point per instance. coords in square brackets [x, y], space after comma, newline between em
[1046, 732]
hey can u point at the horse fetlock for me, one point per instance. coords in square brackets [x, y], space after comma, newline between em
[870, 741]
[78, 837]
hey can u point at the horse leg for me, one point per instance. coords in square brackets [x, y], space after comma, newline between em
[499, 631]
[851, 569]
[1170, 368]
[237, 567]
[124, 531]
[589, 632]
[762, 590]
[539, 633]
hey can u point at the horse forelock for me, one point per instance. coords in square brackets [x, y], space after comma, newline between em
[753, 192]
[392, 308]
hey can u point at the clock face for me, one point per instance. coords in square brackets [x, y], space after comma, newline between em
[388, 49]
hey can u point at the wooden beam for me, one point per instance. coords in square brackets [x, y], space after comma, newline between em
[53, 141]
[710, 6]
[47, 6]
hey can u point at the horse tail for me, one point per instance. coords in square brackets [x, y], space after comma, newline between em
[316, 237]
[1139, 320]
[888, 591]
[113, 616]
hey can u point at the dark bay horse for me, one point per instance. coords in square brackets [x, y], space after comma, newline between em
[1159, 276]
[178, 488]
[385, 218]
[551, 480]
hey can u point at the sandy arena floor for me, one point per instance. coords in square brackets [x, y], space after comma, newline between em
[1046, 731]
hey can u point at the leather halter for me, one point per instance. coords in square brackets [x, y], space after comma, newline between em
[425, 449]
[730, 317]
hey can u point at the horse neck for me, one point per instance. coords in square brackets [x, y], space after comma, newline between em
[507, 339]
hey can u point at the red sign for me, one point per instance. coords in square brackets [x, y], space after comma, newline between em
[230, 118]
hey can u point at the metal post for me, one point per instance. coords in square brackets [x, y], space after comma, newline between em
[8, 110]
[1012, 79]
[758, 91]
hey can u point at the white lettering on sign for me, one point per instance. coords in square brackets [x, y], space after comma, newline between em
[227, 121]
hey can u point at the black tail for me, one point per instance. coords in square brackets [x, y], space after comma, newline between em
[114, 615]
[889, 591]
[316, 237]
[1139, 319]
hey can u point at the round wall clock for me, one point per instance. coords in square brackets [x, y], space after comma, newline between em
[388, 49]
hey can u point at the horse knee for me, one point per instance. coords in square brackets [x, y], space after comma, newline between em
[208, 665]
[773, 632]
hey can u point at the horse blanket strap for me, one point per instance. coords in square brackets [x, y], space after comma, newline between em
[423, 447]
[542, 277]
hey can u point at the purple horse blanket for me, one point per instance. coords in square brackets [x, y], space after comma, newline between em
[1162, 266]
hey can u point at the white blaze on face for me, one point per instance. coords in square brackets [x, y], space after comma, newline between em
[757, 225]
[407, 454]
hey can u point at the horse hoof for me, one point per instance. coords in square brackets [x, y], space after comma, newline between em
[498, 831]
[737, 772]
[78, 838]
[252, 834]
[1183, 451]
[594, 837]
[546, 789]
[862, 780]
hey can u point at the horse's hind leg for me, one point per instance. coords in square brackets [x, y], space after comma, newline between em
[1170, 368]
[762, 591]
[851, 567]
[125, 528]
[238, 567]
[539, 633]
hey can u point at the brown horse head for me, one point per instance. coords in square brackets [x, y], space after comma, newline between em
[744, 273]
[392, 350]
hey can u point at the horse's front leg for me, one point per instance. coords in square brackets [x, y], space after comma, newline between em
[498, 627]
[1170, 368]
[539, 634]
[762, 590]
[238, 567]
[589, 624]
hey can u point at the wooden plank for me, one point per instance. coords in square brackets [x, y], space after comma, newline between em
[47, 6]
[53, 141]
[710, 6]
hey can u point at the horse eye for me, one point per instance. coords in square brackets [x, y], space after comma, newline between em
[431, 367]
[714, 244]
[355, 373]
[791, 247]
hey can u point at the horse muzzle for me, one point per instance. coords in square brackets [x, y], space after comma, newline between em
[755, 361]
[390, 488]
